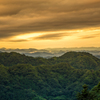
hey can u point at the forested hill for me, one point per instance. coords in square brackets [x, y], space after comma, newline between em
[57, 78]
[13, 58]
[79, 60]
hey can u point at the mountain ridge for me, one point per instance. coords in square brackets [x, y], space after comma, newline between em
[76, 59]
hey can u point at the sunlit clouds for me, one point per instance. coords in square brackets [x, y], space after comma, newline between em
[49, 23]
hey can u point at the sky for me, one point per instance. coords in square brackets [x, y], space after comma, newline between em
[49, 23]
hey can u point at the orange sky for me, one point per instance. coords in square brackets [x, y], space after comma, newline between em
[49, 24]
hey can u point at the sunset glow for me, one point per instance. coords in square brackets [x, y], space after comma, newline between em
[49, 24]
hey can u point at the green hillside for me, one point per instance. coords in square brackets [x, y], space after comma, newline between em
[96, 91]
[93, 94]
[13, 58]
[57, 78]
[79, 60]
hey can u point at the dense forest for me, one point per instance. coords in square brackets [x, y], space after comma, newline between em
[58, 78]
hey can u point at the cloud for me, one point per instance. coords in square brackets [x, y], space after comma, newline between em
[90, 36]
[29, 16]
[55, 36]
[20, 40]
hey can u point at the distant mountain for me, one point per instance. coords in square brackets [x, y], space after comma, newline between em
[98, 56]
[60, 53]
[40, 54]
[53, 52]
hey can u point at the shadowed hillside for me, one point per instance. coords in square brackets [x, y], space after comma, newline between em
[57, 78]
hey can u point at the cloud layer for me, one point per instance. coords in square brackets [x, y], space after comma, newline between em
[29, 16]
[50, 36]
[90, 36]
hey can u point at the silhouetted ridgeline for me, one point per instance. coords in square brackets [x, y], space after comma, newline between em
[57, 78]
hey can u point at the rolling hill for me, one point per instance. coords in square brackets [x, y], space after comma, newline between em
[57, 78]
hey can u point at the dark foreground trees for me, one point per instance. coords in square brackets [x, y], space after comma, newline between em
[93, 94]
